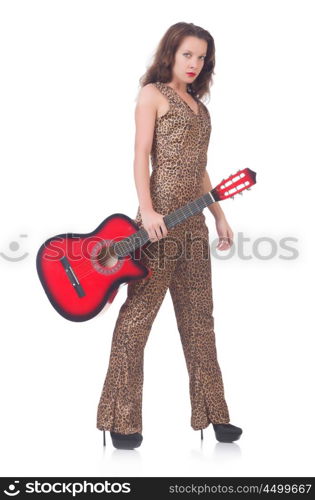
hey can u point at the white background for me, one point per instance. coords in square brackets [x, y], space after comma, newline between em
[69, 79]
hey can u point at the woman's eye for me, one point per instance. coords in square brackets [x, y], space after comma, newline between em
[186, 54]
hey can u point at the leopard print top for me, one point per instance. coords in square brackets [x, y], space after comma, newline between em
[179, 153]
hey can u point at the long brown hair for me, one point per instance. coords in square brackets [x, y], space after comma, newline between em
[164, 57]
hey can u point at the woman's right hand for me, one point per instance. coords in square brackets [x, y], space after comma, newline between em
[154, 224]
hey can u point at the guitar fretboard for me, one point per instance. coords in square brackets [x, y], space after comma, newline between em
[127, 245]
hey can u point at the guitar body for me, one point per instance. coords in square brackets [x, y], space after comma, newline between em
[78, 277]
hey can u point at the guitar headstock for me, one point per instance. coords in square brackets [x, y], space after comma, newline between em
[235, 184]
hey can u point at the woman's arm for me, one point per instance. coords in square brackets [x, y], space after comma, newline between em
[224, 230]
[145, 118]
[145, 115]
[214, 208]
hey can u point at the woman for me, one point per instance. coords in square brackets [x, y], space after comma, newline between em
[173, 127]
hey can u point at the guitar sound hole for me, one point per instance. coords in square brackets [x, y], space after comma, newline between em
[106, 257]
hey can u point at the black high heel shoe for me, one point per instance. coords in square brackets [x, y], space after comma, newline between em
[124, 441]
[225, 433]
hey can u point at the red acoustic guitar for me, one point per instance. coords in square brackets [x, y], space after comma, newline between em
[81, 273]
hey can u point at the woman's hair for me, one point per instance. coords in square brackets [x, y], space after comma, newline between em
[164, 58]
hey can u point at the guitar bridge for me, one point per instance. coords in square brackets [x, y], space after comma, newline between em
[72, 277]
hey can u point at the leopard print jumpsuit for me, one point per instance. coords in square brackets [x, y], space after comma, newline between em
[178, 159]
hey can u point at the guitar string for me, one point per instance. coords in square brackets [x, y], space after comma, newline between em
[85, 268]
[172, 218]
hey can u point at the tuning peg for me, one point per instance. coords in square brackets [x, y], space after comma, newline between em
[240, 193]
[248, 189]
[232, 197]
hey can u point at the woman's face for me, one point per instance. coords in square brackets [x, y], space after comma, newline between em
[189, 58]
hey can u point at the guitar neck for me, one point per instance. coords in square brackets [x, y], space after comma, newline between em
[192, 208]
[138, 239]
[227, 188]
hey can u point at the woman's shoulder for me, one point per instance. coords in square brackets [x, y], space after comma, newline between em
[148, 93]
[148, 89]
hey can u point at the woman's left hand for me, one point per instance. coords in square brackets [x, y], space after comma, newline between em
[225, 234]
